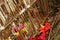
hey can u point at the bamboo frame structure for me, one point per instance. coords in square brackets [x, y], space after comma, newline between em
[28, 12]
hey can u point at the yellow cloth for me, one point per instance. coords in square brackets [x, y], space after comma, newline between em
[27, 24]
[24, 30]
[9, 39]
[17, 34]
[41, 26]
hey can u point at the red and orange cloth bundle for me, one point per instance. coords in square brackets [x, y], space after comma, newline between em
[17, 33]
[45, 27]
[21, 26]
[43, 31]
[16, 29]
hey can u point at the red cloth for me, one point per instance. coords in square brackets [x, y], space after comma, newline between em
[19, 38]
[15, 29]
[43, 30]
[42, 36]
[46, 27]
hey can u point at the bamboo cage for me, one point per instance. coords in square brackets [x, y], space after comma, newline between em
[30, 13]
